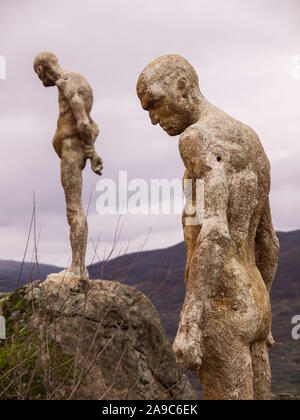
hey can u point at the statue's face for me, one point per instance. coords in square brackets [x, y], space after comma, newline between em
[44, 75]
[169, 108]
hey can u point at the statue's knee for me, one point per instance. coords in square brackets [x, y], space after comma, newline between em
[71, 214]
[76, 216]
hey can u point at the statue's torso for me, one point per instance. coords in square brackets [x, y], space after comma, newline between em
[240, 288]
[67, 124]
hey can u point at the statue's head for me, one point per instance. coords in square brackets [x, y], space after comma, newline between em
[168, 89]
[47, 68]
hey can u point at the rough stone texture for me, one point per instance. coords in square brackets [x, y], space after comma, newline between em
[225, 325]
[113, 331]
[74, 143]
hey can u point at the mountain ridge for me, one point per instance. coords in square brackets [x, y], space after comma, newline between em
[159, 275]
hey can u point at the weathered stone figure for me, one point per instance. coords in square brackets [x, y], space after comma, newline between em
[74, 143]
[225, 324]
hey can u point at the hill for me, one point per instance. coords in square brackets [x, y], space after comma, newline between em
[159, 275]
[10, 274]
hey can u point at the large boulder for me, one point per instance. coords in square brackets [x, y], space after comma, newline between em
[86, 340]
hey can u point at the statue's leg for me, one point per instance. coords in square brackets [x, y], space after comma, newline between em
[72, 163]
[261, 371]
[226, 372]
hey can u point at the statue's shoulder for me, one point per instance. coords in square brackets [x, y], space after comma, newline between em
[73, 83]
[196, 148]
[76, 77]
[194, 133]
[197, 140]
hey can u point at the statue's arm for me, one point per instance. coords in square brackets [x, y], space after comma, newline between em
[70, 89]
[206, 265]
[190, 231]
[211, 249]
[266, 253]
[266, 248]
[83, 122]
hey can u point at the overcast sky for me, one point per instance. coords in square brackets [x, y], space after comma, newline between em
[242, 51]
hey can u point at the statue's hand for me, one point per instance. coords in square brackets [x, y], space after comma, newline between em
[85, 128]
[89, 151]
[270, 341]
[187, 347]
[96, 164]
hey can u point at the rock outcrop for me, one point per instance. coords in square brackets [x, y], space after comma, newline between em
[87, 340]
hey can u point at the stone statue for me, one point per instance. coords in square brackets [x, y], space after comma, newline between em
[74, 143]
[225, 323]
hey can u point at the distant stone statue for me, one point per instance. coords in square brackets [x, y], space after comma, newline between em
[74, 143]
[225, 323]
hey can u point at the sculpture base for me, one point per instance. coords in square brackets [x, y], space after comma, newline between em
[66, 277]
